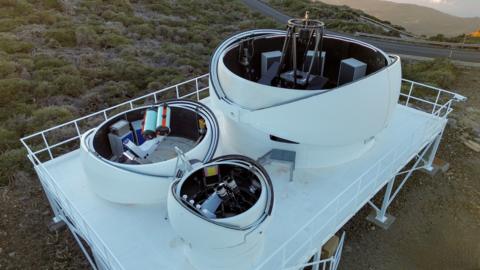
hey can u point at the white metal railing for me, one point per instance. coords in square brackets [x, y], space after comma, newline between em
[442, 99]
[373, 178]
[195, 91]
[438, 99]
[438, 108]
[331, 263]
[62, 207]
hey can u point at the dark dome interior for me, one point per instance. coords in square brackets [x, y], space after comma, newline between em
[335, 49]
[199, 187]
[183, 124]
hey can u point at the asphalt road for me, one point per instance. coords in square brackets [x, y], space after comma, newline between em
[386, 45]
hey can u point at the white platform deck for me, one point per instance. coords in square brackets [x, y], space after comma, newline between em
[307, 211]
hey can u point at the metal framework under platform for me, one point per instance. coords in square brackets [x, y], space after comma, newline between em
[309, 209]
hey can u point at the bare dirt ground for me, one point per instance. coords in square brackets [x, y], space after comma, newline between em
[438, 219]
[437, 226]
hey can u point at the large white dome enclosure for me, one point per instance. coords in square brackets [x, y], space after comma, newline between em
[131, 157]
[221, 209]
[324, 96]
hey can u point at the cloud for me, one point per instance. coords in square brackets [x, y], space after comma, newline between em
[442, 2]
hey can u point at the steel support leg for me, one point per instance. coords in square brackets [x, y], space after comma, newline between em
[431, 164]
[316, 258]
[428, 165]
[57, 224]
[386, 198]
[379, 216]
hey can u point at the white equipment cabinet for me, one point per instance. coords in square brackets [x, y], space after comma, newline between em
[307, 211]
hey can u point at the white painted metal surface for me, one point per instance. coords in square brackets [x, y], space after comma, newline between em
[234, 242]
[140, 183]
[309, 209]
[330, 126]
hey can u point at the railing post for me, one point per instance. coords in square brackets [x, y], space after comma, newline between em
[436, 101]
[176, 90]
[448, 108]
[409, 93]
[196, 89]
[316, 259]
[78, 129]
[47, 146]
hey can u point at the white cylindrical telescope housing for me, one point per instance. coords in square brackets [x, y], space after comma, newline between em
[326, 126]
[148, 182]
[233, 237]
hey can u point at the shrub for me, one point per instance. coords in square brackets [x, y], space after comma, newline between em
[12, 161]
[44, 89]
[6, 68]
[47, 61]
[8, 139]
[9, 24]
[52, 4]
[49, 116]
[18, 121]
[50, 74]
[112, 40]
[70, 85]
[11, 45]
[122, 17]
[112, 5]
[133, 71]
[8, 3]
[16, 7]
[66, 37]
[86, 36]
[117, 91]
[26, 63]
[46, 17]
[265, 23]
[14, 90]
[439, 72]
[144, 30]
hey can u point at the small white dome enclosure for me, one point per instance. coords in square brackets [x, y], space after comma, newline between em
[221, 210]
[324, 96]
[131, 157]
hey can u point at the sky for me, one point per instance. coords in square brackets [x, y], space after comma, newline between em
[463, 8]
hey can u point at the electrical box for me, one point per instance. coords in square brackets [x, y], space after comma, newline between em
[351, 70]
[268, 58]
[318, 64]
[119, 133]
[137, 132]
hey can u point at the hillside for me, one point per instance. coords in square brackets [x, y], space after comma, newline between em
[416, 19]
[339, 18]
[60, 60]
[63, 59]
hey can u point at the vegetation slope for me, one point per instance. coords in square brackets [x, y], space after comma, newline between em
[63, 59]
[415, 18]
[338, 18]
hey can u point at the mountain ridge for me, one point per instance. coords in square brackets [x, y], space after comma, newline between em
[415, 18]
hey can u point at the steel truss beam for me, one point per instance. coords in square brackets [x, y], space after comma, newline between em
[317, 263]
[424, 160]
